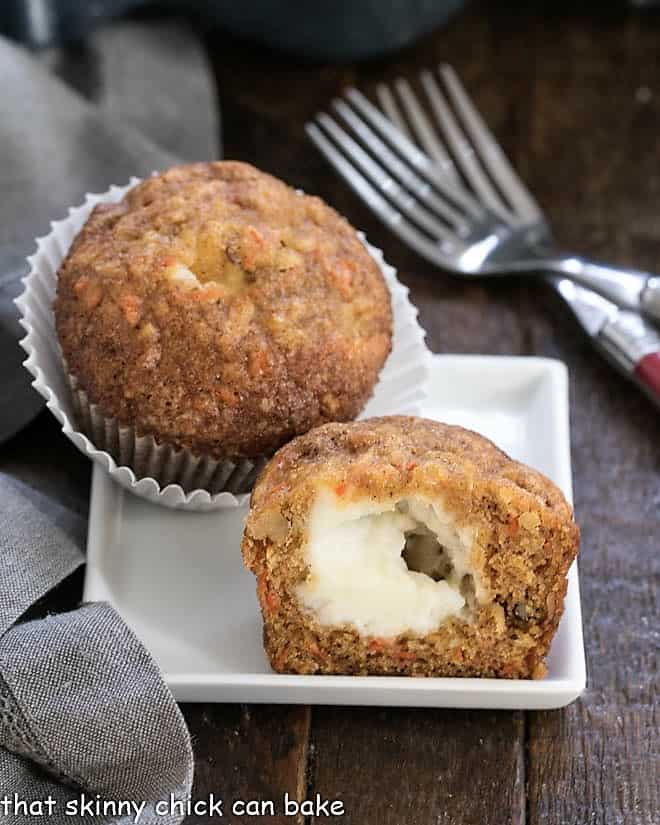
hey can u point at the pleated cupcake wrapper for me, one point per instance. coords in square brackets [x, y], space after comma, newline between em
[162, 462]
[161, 473]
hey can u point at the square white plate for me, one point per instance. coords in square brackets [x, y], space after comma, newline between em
[177, 578]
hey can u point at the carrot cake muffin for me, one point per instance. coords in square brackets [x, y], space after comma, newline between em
[220, 311]
[401, 545]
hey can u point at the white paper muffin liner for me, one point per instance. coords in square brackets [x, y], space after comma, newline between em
[159, 472]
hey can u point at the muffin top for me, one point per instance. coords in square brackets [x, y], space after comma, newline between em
[219, 310]
[380, 457]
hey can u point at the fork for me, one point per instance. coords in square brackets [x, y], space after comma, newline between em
[460, 204]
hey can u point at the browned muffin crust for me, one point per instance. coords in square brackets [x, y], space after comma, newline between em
[284, 323]
[525, 542]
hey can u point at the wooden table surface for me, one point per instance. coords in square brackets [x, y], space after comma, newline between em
[574, 97]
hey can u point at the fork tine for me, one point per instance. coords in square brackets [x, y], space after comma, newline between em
[425, 132]
[463, 151]
[383, 181]
[420, 188]
[417, 159]
[388, 105]
[489, 149]
[437, 253]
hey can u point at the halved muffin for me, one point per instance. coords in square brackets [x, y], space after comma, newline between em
[401, 545]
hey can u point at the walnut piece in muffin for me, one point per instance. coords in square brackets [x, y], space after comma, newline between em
[404, 546]
[219, 310]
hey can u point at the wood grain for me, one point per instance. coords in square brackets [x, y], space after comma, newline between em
[598, 761]
[249, 753]
[420, 766]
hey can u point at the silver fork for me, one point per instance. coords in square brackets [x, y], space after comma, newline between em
[461, 205]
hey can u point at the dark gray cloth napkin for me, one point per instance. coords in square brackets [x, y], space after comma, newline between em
[88, 730]
[84, 714]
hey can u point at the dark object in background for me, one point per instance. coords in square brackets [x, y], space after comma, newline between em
[328, 29]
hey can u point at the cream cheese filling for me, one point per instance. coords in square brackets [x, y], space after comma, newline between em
[387, 568]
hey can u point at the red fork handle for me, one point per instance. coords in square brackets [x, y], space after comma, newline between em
[633, 346]
[647, 372]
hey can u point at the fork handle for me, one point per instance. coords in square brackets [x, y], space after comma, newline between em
[628, 288]
[633, 346]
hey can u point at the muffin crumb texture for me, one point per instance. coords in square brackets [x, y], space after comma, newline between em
[402, 546]
[218, 310]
